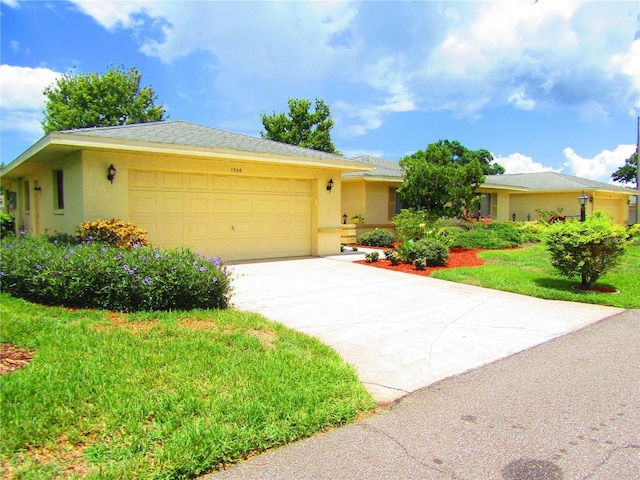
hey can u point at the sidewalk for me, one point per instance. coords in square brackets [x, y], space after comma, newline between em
[568, 409]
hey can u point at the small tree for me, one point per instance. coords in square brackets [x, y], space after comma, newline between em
[588, 248]
[627, 173]
[438, 182]
[91, 100]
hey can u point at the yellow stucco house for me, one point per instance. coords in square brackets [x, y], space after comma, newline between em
[220, 193]
[372, 194]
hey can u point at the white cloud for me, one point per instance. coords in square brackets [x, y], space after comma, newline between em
[519, 163]
[628, 63]
[114, 14]
[21, 97]
[601, 166]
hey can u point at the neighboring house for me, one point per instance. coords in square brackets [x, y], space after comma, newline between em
[373, 195]
[518, 196]
[220, 193]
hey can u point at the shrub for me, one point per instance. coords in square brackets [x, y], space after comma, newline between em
[377, 237]
[114, 232]
[372, 257]
[492, 235]
[587, 249]
[530, 232]
[92, 275]
[420, 264]
[404, 250]
[7, 225]
[394, 258]
[432, 251]
[413, 224]
[547, 216]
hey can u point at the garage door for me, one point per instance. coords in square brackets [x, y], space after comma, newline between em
[233, 217]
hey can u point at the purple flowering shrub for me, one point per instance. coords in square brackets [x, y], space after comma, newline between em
[44, 270]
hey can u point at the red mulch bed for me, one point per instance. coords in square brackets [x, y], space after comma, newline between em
[458, 257]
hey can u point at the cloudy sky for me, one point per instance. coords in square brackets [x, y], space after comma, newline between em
[543, 85]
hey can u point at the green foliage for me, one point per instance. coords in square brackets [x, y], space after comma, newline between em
[634, 233]
[434, 252]
[404, 250]
[586, 249]
[440, 181]
[113, 232]
[165, 395]
[393, 257]
[93, 275]
[627, 173]
[546, 216]
[93, 100]
[491, 235]
[412, 224]
[371, 257]
[7, 225]
[301, 127]
[378, 237]
[464, 156]
[531, 232]
[420, 264]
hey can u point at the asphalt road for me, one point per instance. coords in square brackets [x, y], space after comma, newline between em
[567, 409]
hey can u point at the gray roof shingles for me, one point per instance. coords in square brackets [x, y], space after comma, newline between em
[383, 168]
[549, 181]
[178, 132]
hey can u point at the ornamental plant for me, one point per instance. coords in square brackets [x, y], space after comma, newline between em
[114, 232]
[7, 224]
[492, 235]
[587, 249]
[434, 252]
[95, 275]
[377, 237]
[372, 257]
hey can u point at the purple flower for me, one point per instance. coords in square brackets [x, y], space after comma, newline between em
[147, 280]
[37, 267]
[216, 262]
[119, 256]
[214, 280]
[156, 254]
[70, 252]
[203, 269]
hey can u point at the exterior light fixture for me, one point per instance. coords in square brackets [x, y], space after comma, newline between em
[111, 173]
[582, 200]
[329, 184]
[344, 219]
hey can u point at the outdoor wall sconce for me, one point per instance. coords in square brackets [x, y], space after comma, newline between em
[330, 185]
[582, 200]
[344, 219]
[37, 189]
[111, 173]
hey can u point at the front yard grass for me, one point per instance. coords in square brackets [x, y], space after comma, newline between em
[160, 395]
[528, 271]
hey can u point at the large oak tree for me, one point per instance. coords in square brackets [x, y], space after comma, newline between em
[93, 100]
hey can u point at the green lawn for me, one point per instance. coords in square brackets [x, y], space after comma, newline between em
[528, 271]
[161, 395]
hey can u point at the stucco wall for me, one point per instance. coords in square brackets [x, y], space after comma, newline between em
[353, 199]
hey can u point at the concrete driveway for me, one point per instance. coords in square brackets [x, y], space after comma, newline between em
[402, 332]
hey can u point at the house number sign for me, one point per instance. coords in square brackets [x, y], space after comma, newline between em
[236, 170]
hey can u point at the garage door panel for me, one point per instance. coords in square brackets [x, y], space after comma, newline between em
[228, 216]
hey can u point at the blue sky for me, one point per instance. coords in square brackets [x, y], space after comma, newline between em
[542, 85]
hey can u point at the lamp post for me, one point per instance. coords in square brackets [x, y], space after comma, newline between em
[583, 199]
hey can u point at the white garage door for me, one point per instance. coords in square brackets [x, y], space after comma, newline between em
[232, 217]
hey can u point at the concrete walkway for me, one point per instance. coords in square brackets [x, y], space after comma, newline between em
[402, 332]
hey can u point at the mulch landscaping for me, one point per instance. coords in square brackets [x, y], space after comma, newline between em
[458, 257]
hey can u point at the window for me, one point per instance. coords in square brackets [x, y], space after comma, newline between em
[58, 190]
[27, 197]
[395, 204]
[483, 207]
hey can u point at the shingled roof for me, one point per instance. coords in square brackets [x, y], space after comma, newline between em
[383, 168]
[549, 181]
[176, 132]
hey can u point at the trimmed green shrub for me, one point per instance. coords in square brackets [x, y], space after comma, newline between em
[377, 237]
[93, 275]
[7, 225]
[394, 258]
[432, 251]
[530, 232]
[492, 235]
[586, 249]
[114, 232]
[420, 264]
[371, 257]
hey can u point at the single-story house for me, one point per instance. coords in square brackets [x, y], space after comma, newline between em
[373, 194]
[220, 193]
